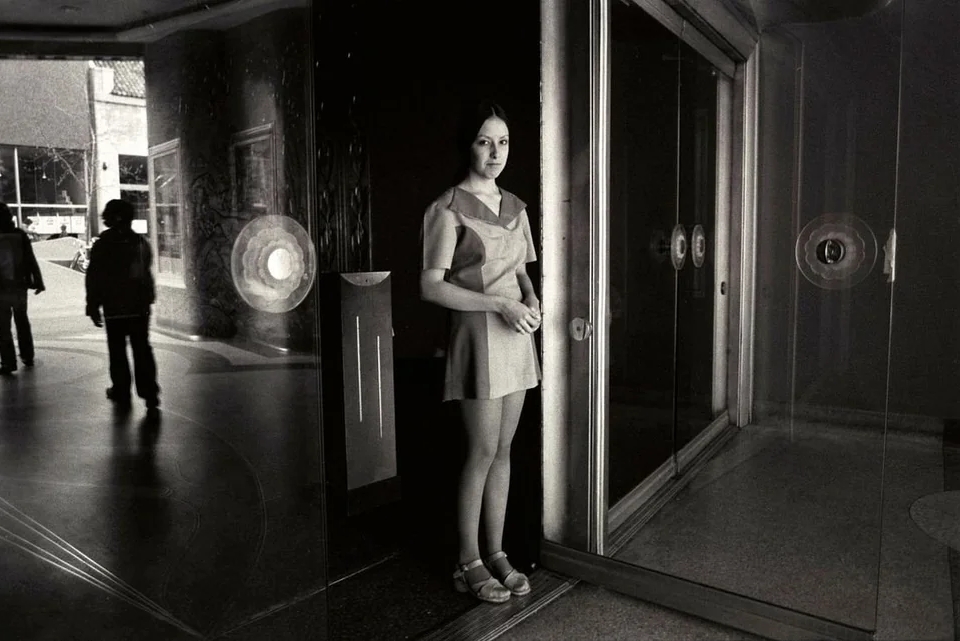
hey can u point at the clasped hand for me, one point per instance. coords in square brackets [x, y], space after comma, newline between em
[522, 316]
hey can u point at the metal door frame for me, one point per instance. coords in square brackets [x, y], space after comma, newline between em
[574, 165]
[575, 130]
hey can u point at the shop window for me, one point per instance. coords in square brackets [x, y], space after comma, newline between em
[45, 187]
[135, 189]
[253, 172]
[166, 211]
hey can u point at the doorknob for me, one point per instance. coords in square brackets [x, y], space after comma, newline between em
[580, 329]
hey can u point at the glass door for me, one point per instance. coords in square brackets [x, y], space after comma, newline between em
[775, 527]
[662, 211]
[643, 277]
[697, 213]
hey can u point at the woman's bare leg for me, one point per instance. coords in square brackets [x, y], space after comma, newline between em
[482, 421]
[498, 478]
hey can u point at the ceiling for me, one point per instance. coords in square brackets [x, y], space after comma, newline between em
[133, 22]
[767, 14]
[128, 21]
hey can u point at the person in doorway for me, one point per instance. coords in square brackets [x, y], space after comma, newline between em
[62, 234]
[476, 242]
[19, 271]
[120, 282]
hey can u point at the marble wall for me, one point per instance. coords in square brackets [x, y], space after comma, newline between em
[203, 88]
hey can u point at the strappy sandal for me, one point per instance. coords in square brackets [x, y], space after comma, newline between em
[488, 589]
[512, 579]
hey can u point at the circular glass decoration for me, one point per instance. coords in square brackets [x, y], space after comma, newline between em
[698, 242]
[836, 251]
[273, 263]
[678, 247]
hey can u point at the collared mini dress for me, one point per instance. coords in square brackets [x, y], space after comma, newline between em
[481, 251]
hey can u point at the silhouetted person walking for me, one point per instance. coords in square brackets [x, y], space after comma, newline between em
[19, 272]
[120, 281]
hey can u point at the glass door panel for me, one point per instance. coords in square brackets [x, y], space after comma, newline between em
[697, 186]
[788, 511]
[823, 315]
[643, 215]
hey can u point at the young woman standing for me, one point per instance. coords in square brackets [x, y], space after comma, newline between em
[476, 244]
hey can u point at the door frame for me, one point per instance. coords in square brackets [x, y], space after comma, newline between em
[575, 128]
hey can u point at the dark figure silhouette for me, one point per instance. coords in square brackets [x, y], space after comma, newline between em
[120, 281]
[19, 272]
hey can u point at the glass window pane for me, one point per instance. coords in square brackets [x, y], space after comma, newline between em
[133, 169]
[141, 207]
[166, 194]
[70, 176]
[166, 179]
[51, 176]
[8, 185]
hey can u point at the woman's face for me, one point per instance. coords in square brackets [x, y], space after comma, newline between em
[489, 151]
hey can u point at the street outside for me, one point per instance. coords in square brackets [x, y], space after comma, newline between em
[58, 312]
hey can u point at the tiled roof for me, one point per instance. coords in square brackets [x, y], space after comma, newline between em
[128, 79]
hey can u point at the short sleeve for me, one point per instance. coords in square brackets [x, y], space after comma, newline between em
[438, 237]
[531, 246]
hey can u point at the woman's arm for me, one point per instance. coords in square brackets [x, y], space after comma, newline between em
[526, 287]
[434, 289]
[529, 294]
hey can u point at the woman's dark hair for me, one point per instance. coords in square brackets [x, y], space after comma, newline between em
[472, 118]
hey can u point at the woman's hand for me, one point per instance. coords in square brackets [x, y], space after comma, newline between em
[521, 316]
[533, 303]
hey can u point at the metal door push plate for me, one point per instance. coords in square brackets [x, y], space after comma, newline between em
[678, 247]
[698, 246]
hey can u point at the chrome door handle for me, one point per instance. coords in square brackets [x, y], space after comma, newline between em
[580, 329]
[890, 256]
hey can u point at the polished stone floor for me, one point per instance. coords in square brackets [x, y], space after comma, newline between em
[193, 524]
[205, 522]
[792, 517]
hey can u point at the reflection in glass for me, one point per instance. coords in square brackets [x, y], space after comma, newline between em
[252, 172]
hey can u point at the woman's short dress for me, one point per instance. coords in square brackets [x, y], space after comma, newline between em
[481, 251]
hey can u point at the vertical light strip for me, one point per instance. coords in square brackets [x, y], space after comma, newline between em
[797, 225]
[559, 521]
[16, 183]
[599, 277]
[721, 250]
[890, 316]
[359, 375]
[748, 241]
[675, 419]
[379, 388]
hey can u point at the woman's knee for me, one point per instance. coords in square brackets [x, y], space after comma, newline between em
[481, 454]
[502, 455]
